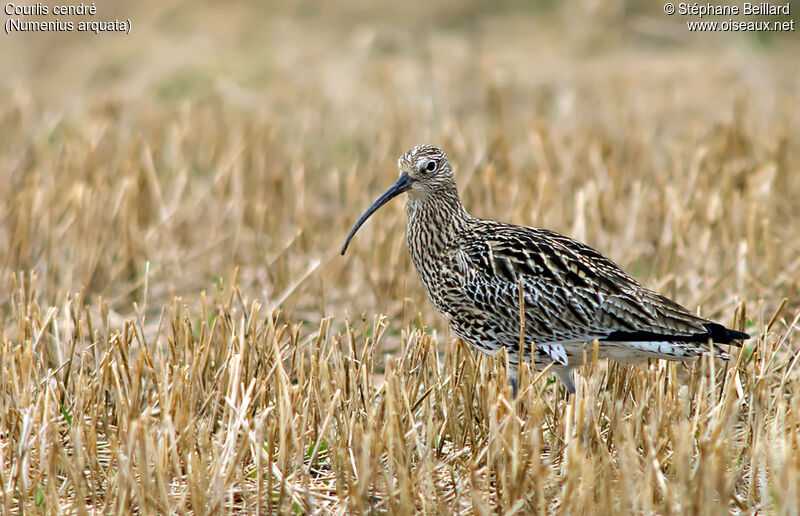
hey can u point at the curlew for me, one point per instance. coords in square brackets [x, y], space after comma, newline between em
[490, 278]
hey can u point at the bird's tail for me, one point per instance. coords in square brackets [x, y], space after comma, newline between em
[722, 335]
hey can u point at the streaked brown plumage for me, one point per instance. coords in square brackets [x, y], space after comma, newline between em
[472, 270]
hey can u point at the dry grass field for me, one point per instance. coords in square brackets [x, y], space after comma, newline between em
[178, 333]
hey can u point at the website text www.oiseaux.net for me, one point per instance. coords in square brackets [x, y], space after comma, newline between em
[736, 25]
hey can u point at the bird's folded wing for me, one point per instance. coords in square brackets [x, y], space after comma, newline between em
[570, 291]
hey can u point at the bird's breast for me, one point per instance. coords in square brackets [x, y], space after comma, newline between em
[430, 254]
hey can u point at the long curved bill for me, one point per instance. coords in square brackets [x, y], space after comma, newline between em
[402, 184]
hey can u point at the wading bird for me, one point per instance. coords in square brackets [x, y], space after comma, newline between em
[488, 277]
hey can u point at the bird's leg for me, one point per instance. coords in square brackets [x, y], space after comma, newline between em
[513, 378]
[565, 375]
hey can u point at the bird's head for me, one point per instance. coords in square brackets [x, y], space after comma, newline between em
[424, 170]
[427, 169]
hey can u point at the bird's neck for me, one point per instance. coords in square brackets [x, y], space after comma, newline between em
[435, 222]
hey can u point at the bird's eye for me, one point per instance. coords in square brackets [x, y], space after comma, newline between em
[430, 166]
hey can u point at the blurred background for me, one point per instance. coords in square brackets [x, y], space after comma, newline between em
[251, 135]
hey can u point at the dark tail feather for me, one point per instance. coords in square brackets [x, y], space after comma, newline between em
[716, 332]
[722, 335]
